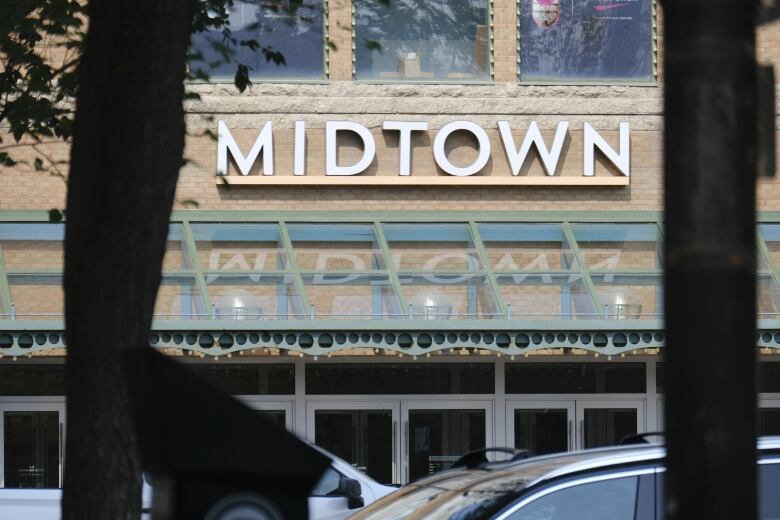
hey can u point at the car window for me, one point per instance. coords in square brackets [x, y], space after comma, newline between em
[769, 484]
[613, 499]
[769, 498]
[328, 484]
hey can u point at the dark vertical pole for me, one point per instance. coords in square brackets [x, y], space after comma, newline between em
[710, 135]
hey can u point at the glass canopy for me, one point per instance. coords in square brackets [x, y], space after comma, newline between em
[379, 270]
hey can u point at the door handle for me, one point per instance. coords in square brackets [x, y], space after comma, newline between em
[571, 440]
[395, 439]
[406, 450]
[62, 451]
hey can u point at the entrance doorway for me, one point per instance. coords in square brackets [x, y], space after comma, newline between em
[32, 440]
[550, 426]
[278, 412]
[400, 441]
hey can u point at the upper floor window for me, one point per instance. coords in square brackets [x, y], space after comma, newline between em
[271, 38]
[422, 40]
[585, 40]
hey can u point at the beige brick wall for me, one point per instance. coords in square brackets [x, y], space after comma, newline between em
[603, 106]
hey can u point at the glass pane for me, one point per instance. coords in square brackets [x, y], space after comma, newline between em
[627, 297]
[39, 297]
[546, 296]
[771, 235]
[32, 449]
[32, 380]
[449, 296]
[607, 426]
[32, 246]
[516, 247]
[176, 254]
[769, 483]
[364, 438]
[615, 246]
[178, 299]
[613, 499]
[352, 296]
[253, 297]
[768, 304]
[422, 40]
[254, 379]
[432, 246]
[235, 247]
[575, 378]
[340, 247]
[277, 417]
[437, 438]
[289, 34]
[585, 39]
[769, 377]
[404, 378]
[769, 421]
[542, 431]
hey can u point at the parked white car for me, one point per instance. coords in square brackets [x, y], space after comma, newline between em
[341, 492]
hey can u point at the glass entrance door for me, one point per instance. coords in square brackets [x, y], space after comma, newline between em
[31, 437]
[278, 412]
[605, 423]
[365, 434]
[541, 426]
[552, 426]
[769, 417]
[437, 433]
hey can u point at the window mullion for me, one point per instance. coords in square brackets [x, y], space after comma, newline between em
[594, 296]
[390, 266]
[293, 266]
[484, 259]
[192, 252]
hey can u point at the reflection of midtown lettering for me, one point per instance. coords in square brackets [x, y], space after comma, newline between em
[346, 261]
[516, 151]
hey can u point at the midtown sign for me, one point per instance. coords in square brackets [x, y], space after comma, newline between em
[257, 164]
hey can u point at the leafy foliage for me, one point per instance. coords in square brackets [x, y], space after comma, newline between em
[41, 42]
[40, 45]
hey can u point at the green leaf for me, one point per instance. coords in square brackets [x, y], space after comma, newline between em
[241, 79]
[38, 164]
[5, 160]
[373, 45]
[56, 215]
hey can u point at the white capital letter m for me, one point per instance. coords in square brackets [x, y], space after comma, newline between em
[226, 142]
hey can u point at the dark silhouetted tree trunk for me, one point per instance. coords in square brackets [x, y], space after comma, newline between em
[127, 150]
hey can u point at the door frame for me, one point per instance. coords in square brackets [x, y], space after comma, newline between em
[582, 404]
[441, 404]
[263, 404]
[360, 404]
[575, 406]
[535, 404]
[33, 406]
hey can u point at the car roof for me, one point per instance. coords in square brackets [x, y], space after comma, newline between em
[552, 466]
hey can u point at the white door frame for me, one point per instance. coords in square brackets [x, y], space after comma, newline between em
[441, 404]
[536, 404]
[37, 406]
[263, 404]
[584, 404]
[359, 404]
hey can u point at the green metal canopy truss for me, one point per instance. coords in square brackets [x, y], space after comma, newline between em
[414, 283]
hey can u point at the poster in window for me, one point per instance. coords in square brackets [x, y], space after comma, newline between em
[585, 39]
